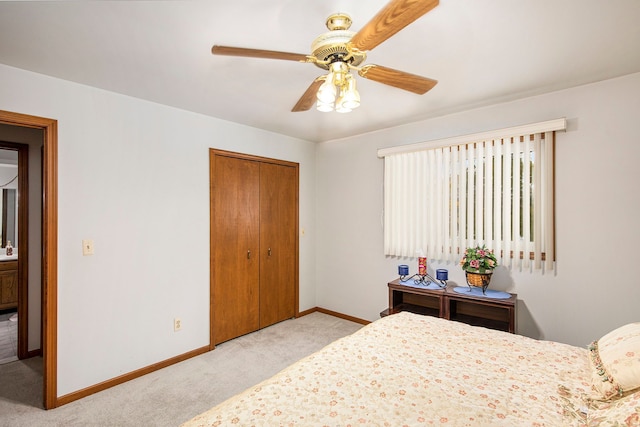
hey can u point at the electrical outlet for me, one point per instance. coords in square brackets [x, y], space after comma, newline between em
[87, 247]
[177, 324]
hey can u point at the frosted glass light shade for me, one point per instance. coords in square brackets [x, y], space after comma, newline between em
[327, 91]
[351, 98]
[325, 107]
[341, 108]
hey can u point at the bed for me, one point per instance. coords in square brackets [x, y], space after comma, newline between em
[409, 369]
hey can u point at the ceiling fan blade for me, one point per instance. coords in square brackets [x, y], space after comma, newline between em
[400, 79]
[257, 53]
[307, 100]
[392, 18]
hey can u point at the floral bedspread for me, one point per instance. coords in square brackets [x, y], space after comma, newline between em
[407, 369]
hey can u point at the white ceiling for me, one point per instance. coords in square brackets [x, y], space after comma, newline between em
[480, 51]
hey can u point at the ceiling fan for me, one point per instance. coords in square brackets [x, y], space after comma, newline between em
[341, 50]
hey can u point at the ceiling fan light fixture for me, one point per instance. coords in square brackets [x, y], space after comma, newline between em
[327, 92]
[324, 107]
[350, 98]
[338, 90]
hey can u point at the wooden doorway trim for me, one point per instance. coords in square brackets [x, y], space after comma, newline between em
[49, 246]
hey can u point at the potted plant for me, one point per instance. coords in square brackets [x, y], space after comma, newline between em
[478, 264]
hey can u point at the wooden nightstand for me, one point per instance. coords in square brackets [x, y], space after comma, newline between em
[475, 310]
[414, 299]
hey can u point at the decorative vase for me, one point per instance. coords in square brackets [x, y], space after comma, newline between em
[480, 280]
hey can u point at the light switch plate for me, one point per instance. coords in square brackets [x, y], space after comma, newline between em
[87, 247]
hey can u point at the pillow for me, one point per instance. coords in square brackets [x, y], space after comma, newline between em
[615, 362]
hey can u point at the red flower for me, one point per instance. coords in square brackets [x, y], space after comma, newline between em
[632, 420]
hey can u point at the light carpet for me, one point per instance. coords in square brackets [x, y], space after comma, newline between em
[175, 394]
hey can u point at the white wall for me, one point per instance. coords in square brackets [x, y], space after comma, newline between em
[595, 287]
[134, 177]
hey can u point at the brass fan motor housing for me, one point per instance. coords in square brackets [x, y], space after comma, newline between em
[334, 45]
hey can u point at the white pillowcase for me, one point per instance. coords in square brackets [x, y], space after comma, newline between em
[615, 359]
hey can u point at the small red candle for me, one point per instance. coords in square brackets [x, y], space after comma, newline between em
[422, 266]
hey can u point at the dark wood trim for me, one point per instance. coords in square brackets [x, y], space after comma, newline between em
[68, 398]
[23, 252]
[43, 278]
[49, 247]
[5, 203]
[34, 353]
[306, 312]
[553, 200]
[342, 316]
[296, 291]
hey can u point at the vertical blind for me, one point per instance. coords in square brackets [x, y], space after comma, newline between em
[495, 191]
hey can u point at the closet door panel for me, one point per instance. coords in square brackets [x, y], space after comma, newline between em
[235, 247]
[278, 243]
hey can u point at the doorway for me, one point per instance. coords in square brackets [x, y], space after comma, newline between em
[49, 245]
[14, 197]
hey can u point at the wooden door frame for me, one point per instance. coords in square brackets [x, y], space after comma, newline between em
[23, 240]
[49, 246]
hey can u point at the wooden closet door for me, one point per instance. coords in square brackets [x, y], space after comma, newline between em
[278, 243]
[235, 246]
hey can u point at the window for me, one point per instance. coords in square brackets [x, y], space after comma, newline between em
[494, 189]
